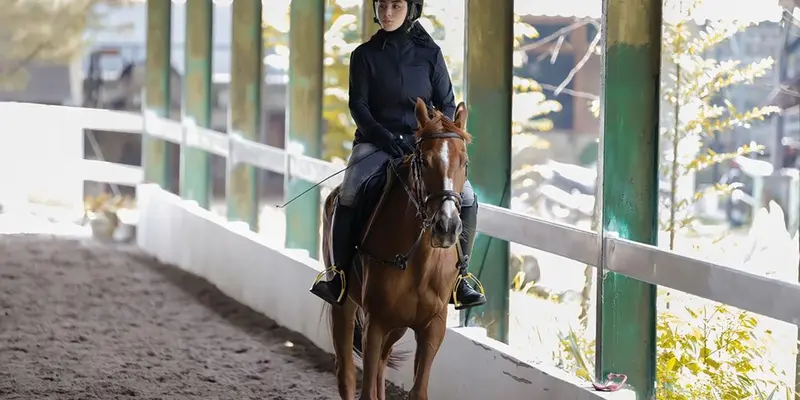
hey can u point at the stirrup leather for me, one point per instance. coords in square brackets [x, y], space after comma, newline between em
[336, 271]
[478, 286]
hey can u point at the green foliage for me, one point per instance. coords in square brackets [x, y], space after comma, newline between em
[578, 355]
[717, 355]
[710, 352]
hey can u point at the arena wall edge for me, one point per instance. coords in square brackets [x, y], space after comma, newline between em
[275, 282]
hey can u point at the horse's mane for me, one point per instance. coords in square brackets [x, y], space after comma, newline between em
[439, 123]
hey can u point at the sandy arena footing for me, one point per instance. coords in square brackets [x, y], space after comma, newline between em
[84, 320]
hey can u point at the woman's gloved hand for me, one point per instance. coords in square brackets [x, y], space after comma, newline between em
[404, 146]
[387, 142]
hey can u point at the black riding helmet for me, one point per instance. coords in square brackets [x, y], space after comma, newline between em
[414, 11]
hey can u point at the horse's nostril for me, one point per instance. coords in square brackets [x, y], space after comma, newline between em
[448, 225]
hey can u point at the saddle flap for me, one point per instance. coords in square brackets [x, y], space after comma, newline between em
[375, 192]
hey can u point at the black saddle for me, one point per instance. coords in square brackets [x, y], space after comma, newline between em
[369, 196]
[371, 191]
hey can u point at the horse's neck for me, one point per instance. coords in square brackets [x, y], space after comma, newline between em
[399, 214]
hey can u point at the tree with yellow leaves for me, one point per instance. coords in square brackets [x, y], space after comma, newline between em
[692, 86]
[706, 350]
[45, 31]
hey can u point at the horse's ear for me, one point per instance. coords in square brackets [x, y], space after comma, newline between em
[422, 113]
[431, 112]
[461, 116]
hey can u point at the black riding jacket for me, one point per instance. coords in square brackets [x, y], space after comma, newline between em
[387, 74]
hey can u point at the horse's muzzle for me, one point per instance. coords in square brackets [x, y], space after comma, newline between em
[445, 231]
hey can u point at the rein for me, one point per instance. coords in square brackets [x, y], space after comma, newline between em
[419, 197]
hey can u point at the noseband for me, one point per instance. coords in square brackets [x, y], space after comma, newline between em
[419, 197]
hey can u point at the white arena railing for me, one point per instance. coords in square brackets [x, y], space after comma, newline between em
[179, 232]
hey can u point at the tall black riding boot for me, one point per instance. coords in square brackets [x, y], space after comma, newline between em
[334, 291]
[464, 296]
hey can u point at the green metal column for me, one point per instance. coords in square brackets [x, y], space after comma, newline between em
[156, 159]
[488, 68]
[368, 25]
[244, 107]
[306, 39]
[195, 163]
[626, 336]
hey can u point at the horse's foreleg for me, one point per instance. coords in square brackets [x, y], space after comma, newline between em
[391, 339]
[374, 337]
[342, 324]
[429, 339]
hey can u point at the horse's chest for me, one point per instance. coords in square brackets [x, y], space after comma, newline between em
[403, 296]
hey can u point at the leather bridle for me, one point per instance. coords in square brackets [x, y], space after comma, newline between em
[420, 197]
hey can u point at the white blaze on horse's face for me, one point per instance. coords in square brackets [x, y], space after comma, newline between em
[449, 206]
[444, 181]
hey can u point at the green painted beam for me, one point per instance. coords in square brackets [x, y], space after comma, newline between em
[368, 25]
[244, 107]
[156, 157]
[627, 307]
[195, 179]
[306, 40]
[488, 67]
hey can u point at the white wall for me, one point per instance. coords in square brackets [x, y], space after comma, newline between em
[275, 282]
[40, 158]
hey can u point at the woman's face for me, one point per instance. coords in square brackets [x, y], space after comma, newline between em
[391, 13]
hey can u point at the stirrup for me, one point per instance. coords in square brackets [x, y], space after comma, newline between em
[336, 271]
[478, 287]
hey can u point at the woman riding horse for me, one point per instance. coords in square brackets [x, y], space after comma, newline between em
[400, 63]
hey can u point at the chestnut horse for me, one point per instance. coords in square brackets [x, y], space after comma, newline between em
[408, 255]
